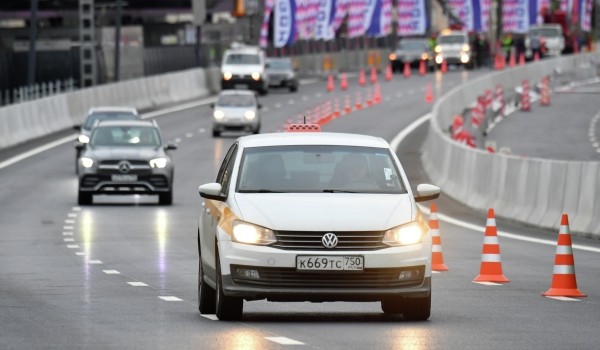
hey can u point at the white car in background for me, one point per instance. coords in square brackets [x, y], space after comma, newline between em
[313, 217]
[552, 36]
[236, 110]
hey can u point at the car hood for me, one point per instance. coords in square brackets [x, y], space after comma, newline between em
[279, 71]
[242, 68]
[451, 46]
[409, 52]
[325, 211]
[140, 153]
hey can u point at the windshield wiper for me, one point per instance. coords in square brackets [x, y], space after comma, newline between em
[338, 191]
[262, 190]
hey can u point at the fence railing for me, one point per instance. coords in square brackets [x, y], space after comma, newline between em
[34, 92]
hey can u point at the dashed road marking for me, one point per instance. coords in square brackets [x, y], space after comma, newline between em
[80, 253]
[69, 239]
[432, 271]
[291, 102]
[73, 246]
[265, 109]
[284, 341]
[111, 272]
[66, 228]
[68, 221]
[211, 317]
[304, 98]
[170, 298]
[137, 284]
[189, 135]
[76, 209]
[67, 233]
[72, 215]
[596, 144]
[201, 130]
[278, 105]
[488, 283]
[178, 140]
[94, 262]
[399, 94]
[563, 298]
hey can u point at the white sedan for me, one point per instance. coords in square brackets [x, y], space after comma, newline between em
[311, 216]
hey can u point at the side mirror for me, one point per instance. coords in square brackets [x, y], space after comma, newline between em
[77, 127]
[212, 105]
[80, 146]
[170, 147]
[267, 65]
[211, 191]
[259, 106]
[426, 192]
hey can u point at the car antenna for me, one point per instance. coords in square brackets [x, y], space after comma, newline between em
[305, 119]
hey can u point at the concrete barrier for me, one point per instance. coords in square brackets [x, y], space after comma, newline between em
[26, 121]
[529, 190]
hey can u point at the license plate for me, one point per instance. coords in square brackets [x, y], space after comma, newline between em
[329, 263]
[241, 86]
[124, 178]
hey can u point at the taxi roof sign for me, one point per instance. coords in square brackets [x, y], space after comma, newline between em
[303, 128]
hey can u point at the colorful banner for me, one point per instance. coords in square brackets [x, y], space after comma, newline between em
[306, 18]
[341, 11]
[412, 17]
[356, 17]
[586, 8]
[325, 15]
[515, 16]
[284, 29]
[264, 28]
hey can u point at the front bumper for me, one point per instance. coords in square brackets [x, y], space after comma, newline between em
[242, 83]
[147, 182]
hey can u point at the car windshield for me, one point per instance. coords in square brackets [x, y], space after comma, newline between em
[134, 136]
[318, 169]
[411, 45]
[544, 32]
[451, 39]
[239, 58]
[280, 64]
[236, 101]
[99, 116]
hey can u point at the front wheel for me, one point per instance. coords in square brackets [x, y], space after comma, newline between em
[227, 308]
[84, 198]
[206, 294]
[417, 309]
[165, 198]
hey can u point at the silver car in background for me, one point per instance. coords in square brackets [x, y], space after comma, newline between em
[236, 110]
[282, 73]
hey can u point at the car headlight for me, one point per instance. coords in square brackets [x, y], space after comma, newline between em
[424, 56]
[466, 47]
[83, 138]
[404, 234]
[255, 76]
[249, 115]
[439, 59]
[227, 75]
[158, 163]
[438, 48]
[87, 162]
[392, 57]
[245, 232]
[218, 114]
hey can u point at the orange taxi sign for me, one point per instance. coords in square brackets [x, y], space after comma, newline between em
[303, 128]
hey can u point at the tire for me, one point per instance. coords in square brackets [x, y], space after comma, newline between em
[227, 308]
[206, 294]
[216, 133]
[392, 305]
[257, 130]
[417, 309]
[84, 198]
[293, 88]
[166, 198]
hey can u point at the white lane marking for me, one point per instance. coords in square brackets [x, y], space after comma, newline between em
[304, 98]
[211, 317]
[80, 253]
[76, 208]
[399, 94]
[265, 109]
[94, 262]
[67, 233]
[178, 140]
[563, 298]
[291, 102]
[36, 150]
[433, 271]
[179, 108]
[395, 143]
[69, 239]
[72, 246]
[111, 272]
[488, 283]
[67, 227]
[284, 341]
[170, 298]
[189, 135]
[201, 130]
[137, 284]
[597, 150]
[387, 98]
[72, 215]
[278, 105]
[69, 221]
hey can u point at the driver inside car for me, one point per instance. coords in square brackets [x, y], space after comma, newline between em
[352, 169]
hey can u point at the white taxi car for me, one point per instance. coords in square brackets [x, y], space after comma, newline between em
[311, 216]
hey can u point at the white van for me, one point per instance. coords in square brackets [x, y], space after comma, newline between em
[552, 35]
[244, 68]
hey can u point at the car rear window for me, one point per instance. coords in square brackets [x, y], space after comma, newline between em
[238, 58]
[100, 116]
[451, 39]
[125, 136]
[236, 101]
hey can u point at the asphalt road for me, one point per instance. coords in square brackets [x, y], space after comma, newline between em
[123, 272]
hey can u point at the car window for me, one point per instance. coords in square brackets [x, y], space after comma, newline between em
[100, 116]
[125, 136]
[309, 168]
[451, 39]
[238, 58]
[224, 175]
[236, 101]
[280, 64]
[411, 45]
[545, 32]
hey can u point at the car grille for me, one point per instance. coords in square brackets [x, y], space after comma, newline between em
[157, 181]
[132, 162]
[310, 240]
[368, 278]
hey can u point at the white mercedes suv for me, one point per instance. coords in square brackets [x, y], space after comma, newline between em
[311, 216]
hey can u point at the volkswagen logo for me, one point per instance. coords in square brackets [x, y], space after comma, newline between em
[329, 240]
[124, 167]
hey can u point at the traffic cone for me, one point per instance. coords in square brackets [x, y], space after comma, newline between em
[545, 93]
[369, 99]
[491, 267]
[388, 73]
[521, 59]
[373, 75]
[407, 70]
[358, 104]
[377, 97]
[525, 98]
[428, 94]
[513, 61]
[536, 56]
[564, 283]
[347, 107]
[437, 256]
[422, 68]
[361, 77]
[330, 85]
[444, 66]
[343, 82]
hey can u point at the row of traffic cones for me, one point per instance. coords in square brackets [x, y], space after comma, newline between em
[564, 282]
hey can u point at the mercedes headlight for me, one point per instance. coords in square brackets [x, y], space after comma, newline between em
[87, 162]
[404, 234]
[245, 232]
[249, 115]
[219, 115]
[466, 47]
[227, 75]
[83, 138]
[158, 163]
[255, 76]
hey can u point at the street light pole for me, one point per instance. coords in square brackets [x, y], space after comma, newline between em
[32, 40]
[118, 18]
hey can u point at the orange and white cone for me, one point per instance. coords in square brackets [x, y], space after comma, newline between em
[564, 283]
[437, 256]
[491, 266]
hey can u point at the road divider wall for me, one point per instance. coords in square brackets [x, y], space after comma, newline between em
[26, 121]
[529, 190]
